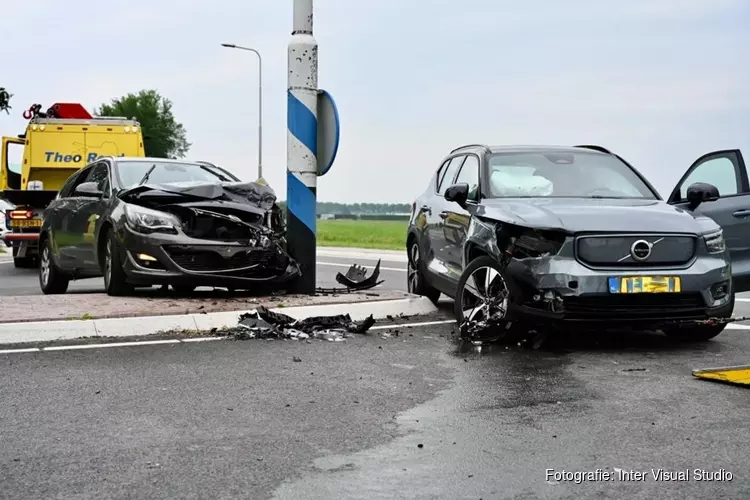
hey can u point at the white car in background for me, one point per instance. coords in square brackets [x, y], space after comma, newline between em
[4, 205]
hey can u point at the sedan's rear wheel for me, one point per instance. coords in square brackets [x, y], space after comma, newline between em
[482, 301]
[415, 280]
[51, 279]
[115, 279]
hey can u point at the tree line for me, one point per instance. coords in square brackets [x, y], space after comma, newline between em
[327, 207]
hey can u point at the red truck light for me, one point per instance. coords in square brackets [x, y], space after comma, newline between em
[21, 214]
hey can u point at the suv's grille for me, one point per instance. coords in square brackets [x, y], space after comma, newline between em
[614, 251]
[635, 306]
[203, 260]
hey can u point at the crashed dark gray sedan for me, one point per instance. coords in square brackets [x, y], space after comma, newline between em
[153, 221]
[538, 237]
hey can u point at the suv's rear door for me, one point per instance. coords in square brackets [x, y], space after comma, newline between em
[725, 170]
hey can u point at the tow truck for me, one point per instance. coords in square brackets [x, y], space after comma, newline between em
[57, 143]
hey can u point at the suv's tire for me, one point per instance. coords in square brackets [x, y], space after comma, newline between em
[513, 326]
[51, 279]
[700, 333]
[415, 279]
[115, 279]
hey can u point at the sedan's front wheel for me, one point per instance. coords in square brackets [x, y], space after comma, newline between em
[51, 279]
[115, 279]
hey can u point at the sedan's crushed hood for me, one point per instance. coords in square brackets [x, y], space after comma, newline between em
[252, 193]
[575, 215]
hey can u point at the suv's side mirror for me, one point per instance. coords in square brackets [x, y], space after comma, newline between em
[699, 192]
[458, 193]
[89, 190]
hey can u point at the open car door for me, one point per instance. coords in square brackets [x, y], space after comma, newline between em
[726, 171]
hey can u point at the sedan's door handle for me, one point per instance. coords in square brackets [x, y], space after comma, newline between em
[444, 215]
[742, 213]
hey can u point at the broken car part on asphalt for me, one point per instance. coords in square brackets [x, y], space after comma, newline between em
[265, 324]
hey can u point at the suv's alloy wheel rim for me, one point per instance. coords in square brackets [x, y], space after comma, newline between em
[484, 295]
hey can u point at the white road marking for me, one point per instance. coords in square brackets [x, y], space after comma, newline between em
[741, 299]
[337, 264]
[405, 325]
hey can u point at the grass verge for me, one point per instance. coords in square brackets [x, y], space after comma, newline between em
[380, 234]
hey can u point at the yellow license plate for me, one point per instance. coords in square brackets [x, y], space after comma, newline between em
[26, 223]
[644, 284]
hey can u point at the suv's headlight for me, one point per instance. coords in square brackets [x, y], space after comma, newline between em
[715, 242]
[146, 220]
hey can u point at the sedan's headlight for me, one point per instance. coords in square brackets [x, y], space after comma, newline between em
[146, 220]
[715, 242]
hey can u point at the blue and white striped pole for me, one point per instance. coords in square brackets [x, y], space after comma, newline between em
[301, 146]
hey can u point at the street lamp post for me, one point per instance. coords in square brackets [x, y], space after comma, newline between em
[260, 102]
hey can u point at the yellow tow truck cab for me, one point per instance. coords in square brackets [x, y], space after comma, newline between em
[56, 144]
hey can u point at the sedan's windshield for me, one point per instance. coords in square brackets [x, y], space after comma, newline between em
[563, 175]
[133, 173]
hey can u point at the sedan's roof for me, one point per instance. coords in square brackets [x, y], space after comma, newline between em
[142, 159]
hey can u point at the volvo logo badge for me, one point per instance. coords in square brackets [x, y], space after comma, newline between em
[640, 250]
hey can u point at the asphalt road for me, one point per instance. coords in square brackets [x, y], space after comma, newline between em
[25, 281]
[413, 416]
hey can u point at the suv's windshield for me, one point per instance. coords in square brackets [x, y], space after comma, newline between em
[563, 175]
[132, 173]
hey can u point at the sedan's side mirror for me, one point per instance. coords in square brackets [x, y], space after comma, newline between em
[699, 192]
[89, 190]
[458, 193]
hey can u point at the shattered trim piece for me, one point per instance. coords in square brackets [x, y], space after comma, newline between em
[354, 280]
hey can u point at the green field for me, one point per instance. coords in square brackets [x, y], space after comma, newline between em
[383, 234]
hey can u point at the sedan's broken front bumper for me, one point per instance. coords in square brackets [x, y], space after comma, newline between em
[168, 259]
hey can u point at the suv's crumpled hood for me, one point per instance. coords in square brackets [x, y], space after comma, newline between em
[576, 215]
[252, 193]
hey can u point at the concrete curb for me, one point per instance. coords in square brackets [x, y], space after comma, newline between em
[47, 331]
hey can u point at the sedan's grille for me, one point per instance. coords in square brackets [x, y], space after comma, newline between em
[615, 250]
[204, 260]
[637, 306]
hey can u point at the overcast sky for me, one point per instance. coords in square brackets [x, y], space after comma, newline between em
[659, 81]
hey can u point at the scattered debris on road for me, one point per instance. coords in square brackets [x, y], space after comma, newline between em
[265, 324]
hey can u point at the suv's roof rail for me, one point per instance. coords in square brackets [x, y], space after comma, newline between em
[595, 148]
[484, 146]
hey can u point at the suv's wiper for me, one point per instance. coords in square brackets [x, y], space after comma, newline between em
[148, 173]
